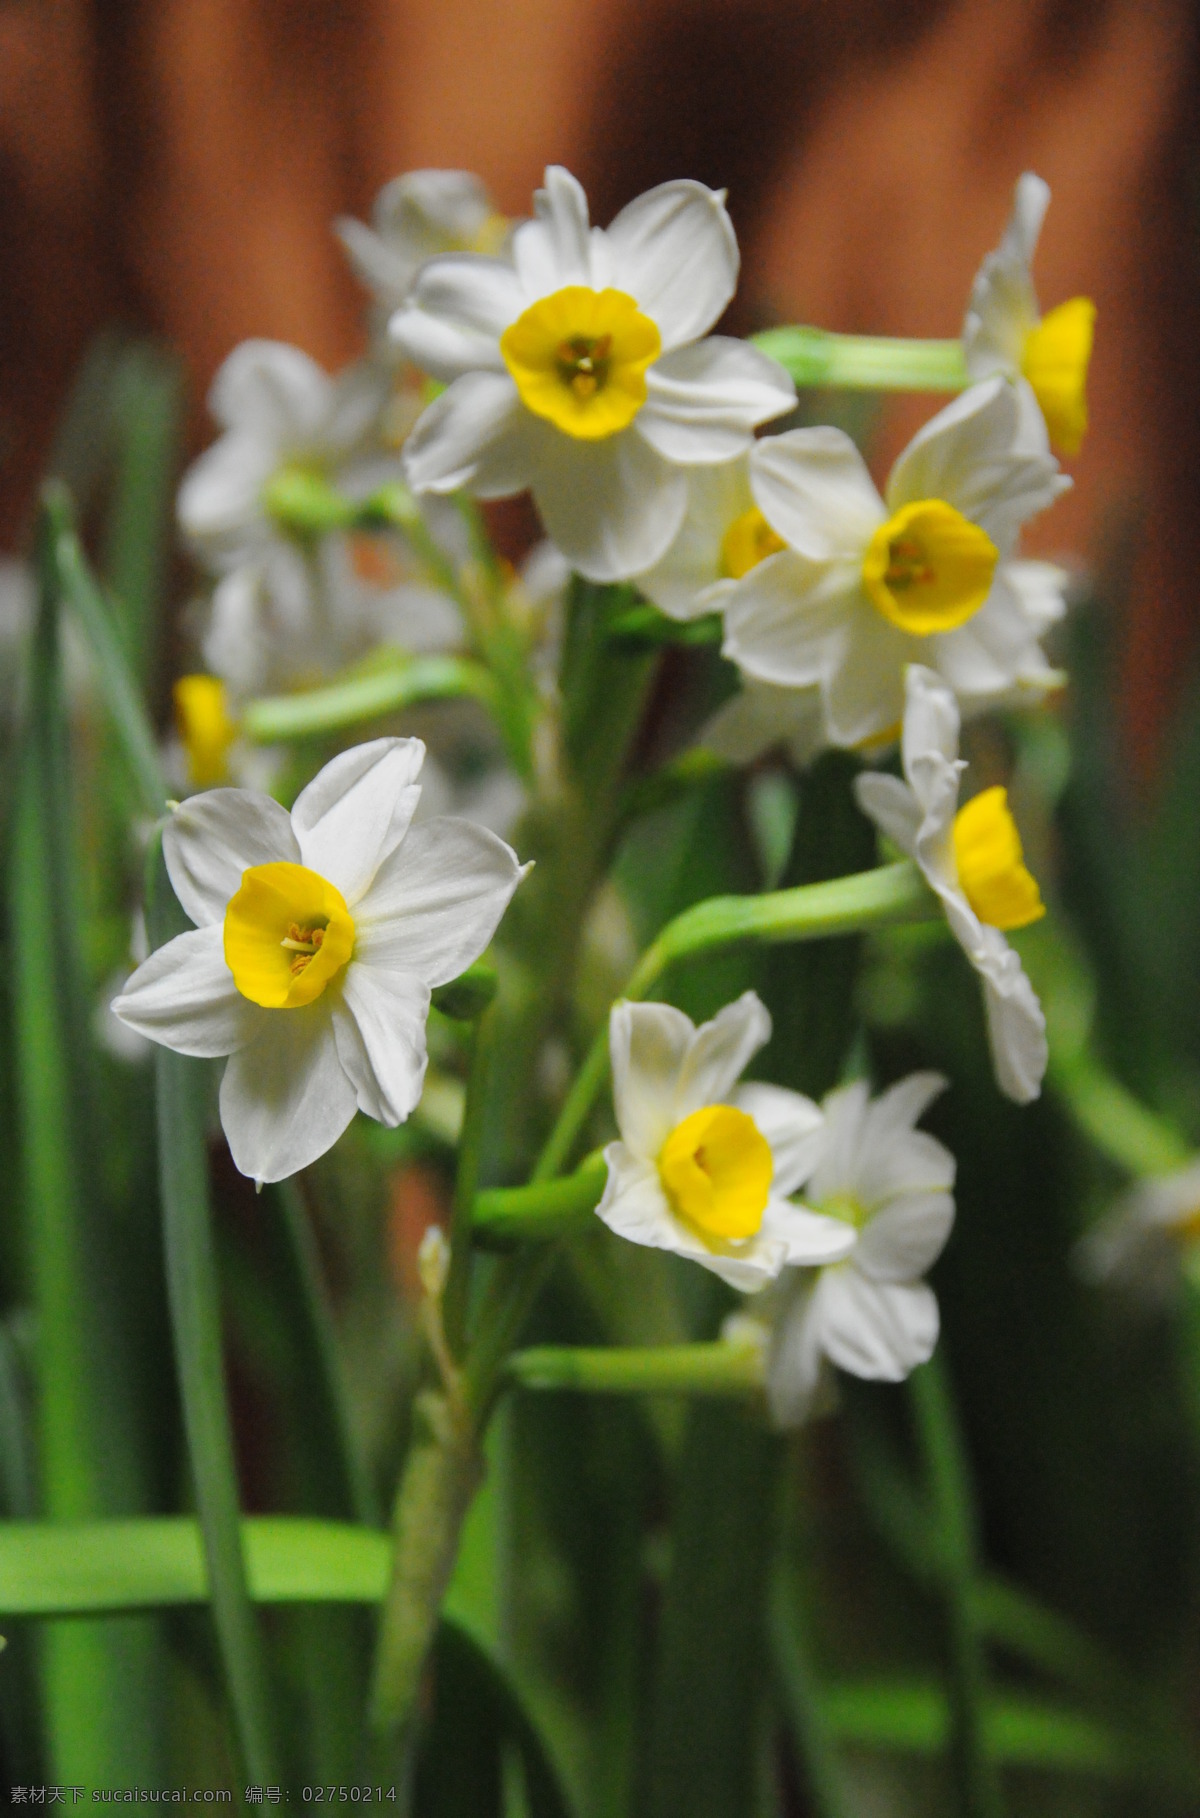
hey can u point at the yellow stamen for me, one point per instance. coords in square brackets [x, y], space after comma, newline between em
[928, 568]
[205, 728]
[288, 932]
[1055, 361]
[991, 864]
[716, 1167]
[579, 359]
[748, 541]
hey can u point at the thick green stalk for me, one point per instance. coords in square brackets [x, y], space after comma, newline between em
[697, 1369]
[814, 357]
[441, 1474]
[848, 905]
[546, 1209]
[194, 1294]
[948, 1480]
[466, 1177]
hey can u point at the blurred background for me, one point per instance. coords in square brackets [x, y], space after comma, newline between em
[176, 167]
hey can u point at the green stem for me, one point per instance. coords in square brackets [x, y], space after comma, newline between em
[846, 905]
[441, 1475]
[276, 718]
[194, 1296]
[697, 1369]
[814, 357]
[466, 1177]
[545, 1209]
[1120, 1126]
[948, 1480]
[802, 1700]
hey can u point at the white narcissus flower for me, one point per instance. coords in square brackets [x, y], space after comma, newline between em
[865, 585]
[319, 937]
[1004, 331]
[869, 1313]
[578, 369]
[281, 416]
[759, 718]
[972, 857]
[704, 1166]
[1151, 1233]
[416, 217]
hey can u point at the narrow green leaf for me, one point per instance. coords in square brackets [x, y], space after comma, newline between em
[80, 589]
[100, 1680]
[76, 1568]
[194, 1296]
[147, 412]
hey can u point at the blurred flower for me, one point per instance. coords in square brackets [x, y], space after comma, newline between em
[319, 937]
[723, 536]
[869, 1312]
[864, 586]
[704, 1166]
[1005, 333]
[972, 858]
[415, 218]
[759, 717]
[578, 369]
[1150, 1232]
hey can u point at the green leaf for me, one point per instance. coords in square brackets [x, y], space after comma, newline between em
[147, 410]
[194, 1297]
[76, 1568]
[100, 1681]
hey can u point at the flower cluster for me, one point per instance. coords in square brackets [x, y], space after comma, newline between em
[333, 517]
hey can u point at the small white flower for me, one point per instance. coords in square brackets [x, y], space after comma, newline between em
[870, 1314]
[1004, 332]
[704, 1166]
[1150, 1233]
[319, 937]
[972, 858]
[723, 536]
[578, 370]
[865, 585]
[281, 415]
[416, 217]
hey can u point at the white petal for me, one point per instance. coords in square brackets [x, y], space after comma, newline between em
[892, 806]
[285, 1098]
[1030, 202]
[272, 391]
[760, 716]
[184, 997]
[864, 691]
[1003, 306]
[812, 486]
[845, 1112]
[1039, 589]
[877, 1330]
[647, 1044]
[379, 1027]
[612, 506]
[452, 322]
[704, 401]
[475, 436]
[785, 621]
[386, 271]
[554, 249]
[1016, 1027]
[794, 1360]
[931, 719]
[905, 1237]
[717, 495]
[810, 1239]
[212, 838]
[357, 810]
[972, 454]
[720, 1052]
[220, 499]
[437, 900]
[635, 1207]
[675, 252]
[793, 1126]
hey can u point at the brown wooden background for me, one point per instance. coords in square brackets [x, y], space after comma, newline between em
[175, 164]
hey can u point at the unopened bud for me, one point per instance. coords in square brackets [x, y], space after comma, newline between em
[433, 1262]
